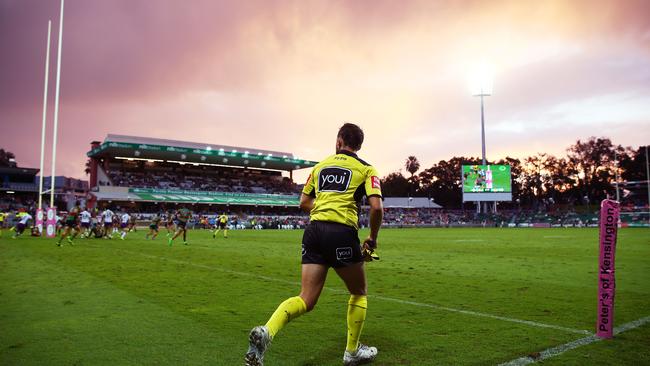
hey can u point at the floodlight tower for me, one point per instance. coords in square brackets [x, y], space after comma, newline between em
[482, 87]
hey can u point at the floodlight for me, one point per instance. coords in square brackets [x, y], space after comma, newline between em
[481, 79]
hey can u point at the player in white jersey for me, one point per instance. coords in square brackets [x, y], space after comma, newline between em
[85, 217]
[107, 218]
[124, 224]
[20, 226]
[116, 220]
[59, 224]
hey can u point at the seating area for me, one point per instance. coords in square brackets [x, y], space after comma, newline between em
[216, 179]
[440, 217]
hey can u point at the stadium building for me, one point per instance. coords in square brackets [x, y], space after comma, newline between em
[18, 188]
[149, 173]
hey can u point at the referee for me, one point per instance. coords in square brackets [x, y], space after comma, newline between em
[332, 195]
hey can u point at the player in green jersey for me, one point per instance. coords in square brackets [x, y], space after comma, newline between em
[183, 215]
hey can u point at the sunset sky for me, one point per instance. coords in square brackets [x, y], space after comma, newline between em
[284, 75]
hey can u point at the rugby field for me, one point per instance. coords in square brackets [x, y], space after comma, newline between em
[437, 297]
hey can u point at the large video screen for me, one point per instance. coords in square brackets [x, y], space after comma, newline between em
[486, 179]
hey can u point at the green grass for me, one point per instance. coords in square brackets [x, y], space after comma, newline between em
[138, 302]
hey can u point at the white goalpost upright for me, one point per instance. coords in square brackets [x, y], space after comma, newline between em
[50, 220]
[56, 105]
[39, 212]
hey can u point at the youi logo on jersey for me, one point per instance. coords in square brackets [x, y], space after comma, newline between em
[334, 179]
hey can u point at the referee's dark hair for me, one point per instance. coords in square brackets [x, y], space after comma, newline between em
[352, 135]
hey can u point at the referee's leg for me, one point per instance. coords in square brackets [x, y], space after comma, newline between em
[313, 279]
[312, 282]
[354, 277]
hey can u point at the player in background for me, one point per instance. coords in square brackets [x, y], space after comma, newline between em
[331, 196]
[2, 221]
[488, 178]
[95, 224]
[59, 224]
[16, 217]
[222, 224]
[132, 224]
[86, 217]
[116, 220]
[71, 224]
[20, 226]
[153, 227]
[169, 223]
[124, 225]
[183, 215]
[107, 219]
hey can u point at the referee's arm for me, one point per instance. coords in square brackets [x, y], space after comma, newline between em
[376, 217]
[308, 194]
[306, 202]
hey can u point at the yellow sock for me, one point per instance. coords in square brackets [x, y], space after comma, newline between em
[357, 306]
[290, 309]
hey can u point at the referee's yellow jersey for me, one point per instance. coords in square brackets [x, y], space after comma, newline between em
[338, 183]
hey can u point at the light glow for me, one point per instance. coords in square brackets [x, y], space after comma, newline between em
[481, 79]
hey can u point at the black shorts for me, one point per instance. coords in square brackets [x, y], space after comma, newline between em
[181, 224]
[153, 227]
[222, 225]
[71, 224]
[332, 244]
[85, 225]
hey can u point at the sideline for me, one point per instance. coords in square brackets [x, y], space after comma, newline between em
[558, 350]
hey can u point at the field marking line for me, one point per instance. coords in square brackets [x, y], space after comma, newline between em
[484, 315]
[558, 350]
[380, 297]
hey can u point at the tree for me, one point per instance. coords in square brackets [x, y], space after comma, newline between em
[88, 165]
[412, 165]
[633, 164]
[589, 169]
[7, 158]
[594, 166]
[443, 182]
[516, 173]
[395, 185]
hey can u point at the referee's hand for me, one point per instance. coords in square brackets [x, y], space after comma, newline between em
[370, 243]
[369, 246]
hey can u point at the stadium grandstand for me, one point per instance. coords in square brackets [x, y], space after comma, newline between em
[18, 188]
[143, 171]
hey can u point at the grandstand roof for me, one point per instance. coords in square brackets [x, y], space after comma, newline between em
[147, 148]
[410, 202]
[8, 170]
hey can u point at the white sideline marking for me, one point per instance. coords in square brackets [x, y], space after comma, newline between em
[380, 297]
[558, 350]
[484, 315]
